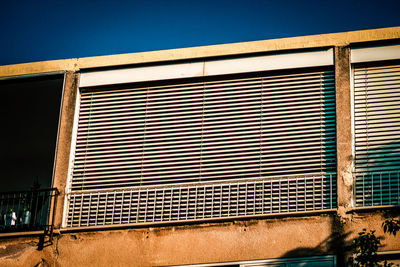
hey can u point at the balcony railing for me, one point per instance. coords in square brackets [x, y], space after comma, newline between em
[27, 210]
[235, 198]
[377, 188]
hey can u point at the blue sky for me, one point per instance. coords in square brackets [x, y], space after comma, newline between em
[45, 30]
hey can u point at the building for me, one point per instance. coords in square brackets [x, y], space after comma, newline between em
[266, 153]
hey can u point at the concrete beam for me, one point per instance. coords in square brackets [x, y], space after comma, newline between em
[293, 43]
[64, 141]
[343, 129]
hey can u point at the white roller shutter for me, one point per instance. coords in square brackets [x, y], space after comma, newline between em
[191, 150]
[377, 133]
[210, 67]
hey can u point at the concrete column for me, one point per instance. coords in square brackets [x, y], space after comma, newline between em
[343, 128]
[64, 141]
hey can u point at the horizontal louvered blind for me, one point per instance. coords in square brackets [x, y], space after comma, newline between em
[377, 133]
[214, 130]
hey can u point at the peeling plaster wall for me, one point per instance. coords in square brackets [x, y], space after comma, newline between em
[343, 129]
[203, 243]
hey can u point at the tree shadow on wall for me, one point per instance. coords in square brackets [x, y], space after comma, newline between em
[336, 244]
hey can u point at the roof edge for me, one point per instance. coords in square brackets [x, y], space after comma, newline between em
[290, 43]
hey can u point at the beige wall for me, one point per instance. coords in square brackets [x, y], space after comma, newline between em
[64, 142]
[202, 243]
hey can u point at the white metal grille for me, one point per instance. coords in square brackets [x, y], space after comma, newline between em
[378, 188]
[197, 201]
[377, 133]
[220, 130]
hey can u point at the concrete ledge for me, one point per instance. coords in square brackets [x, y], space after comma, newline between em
[372, 208]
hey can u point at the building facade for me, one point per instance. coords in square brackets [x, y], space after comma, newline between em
[266, 153]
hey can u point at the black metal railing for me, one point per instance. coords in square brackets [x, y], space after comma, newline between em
[27, 210]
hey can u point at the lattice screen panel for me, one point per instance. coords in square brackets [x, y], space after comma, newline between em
[193, 202]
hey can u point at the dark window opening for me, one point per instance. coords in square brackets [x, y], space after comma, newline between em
[30, 112]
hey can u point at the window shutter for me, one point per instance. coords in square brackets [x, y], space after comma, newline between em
[212, 147]
[377, 133]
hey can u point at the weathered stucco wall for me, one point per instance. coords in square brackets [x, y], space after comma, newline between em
[343, 128]
[280, 237]
[64, 142]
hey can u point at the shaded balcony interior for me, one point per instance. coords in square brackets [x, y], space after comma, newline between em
[31, 110]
